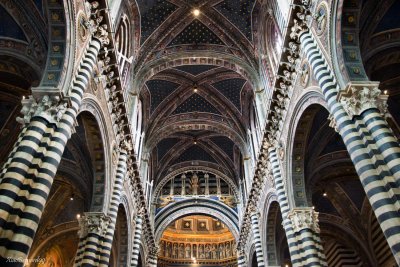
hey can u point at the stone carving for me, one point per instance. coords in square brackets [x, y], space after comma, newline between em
[357, 98]
[320, 18]
[332, 123]
[93, 222]
[304, 218]
[50, 108]
[228, 200]
[165, 201]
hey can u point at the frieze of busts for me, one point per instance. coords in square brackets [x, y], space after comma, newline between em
[359, 97]
[304, 218]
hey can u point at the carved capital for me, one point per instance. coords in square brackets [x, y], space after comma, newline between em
[304, 218]
[93, 222]
[49, 107]
[358, 97]
[333, 123]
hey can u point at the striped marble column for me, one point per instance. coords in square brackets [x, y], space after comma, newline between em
[376, 161]
[257, 238]
[306, 229]
[137, 240]
[114, 203]
[92, 229]
[241, 255]
[95, 248]
[29, 172]
[301, 254]
[152, 258]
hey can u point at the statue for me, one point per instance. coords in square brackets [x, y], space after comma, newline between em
[181, 251]
[187, 251]
[228, 200]
[194, 182]
[201, 251]
[168, 250]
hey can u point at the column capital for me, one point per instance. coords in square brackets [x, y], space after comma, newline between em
[94, 222]
[357, 97]
[50, 107]
[304, 218]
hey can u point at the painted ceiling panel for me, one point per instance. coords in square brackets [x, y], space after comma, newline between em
[153, 13]
[195, 103]
[165, 145]
[231, 89]
[196, 33]
[159, 90]
[194, 153]
[225, 144]
[195, 69]
[238, 12]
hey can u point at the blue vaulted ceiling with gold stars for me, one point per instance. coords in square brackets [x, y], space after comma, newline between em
[196, 110]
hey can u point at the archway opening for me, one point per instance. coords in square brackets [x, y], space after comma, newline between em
[197, 240]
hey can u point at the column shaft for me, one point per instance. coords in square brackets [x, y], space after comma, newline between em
[29, 174]
[137, 241]
[376, 176]
[257, 239]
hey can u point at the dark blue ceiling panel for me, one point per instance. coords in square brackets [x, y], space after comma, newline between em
[9, 27]
[225, 144]
[238, 12]
[159, 90]
[354, 191]
[231, 89]
[195, 69]
[323, 204]
[391, 20]
[196, 33]
[195, 103]
[153, 13]
[165, 145]
[194, 153]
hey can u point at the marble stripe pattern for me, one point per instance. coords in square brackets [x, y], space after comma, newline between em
[370, 143]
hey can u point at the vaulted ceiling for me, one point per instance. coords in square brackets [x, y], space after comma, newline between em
[196, 112]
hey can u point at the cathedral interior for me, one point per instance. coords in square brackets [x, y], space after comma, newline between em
[209, 133]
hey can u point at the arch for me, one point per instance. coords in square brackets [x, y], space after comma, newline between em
[101, 184]
[296, 185]
[58, 71]
[182, 123]
[121, 239]
[169, 176]
[199, 58]
[268, 227]
[345, 53]
[196, 206]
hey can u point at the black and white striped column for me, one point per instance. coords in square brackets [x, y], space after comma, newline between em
[257, 238]
[376, 161]
[241, 255]
[306, 229]
[113, 206]
[95, 248]
[93, 227]
[304, 250]
[137, 240]
[32, 165]
[152, 259]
